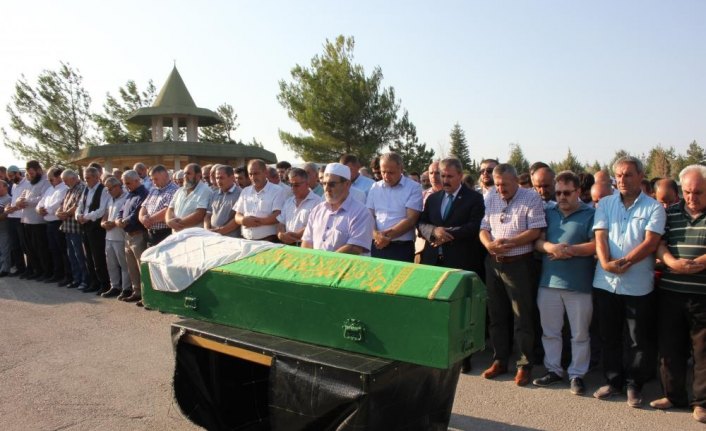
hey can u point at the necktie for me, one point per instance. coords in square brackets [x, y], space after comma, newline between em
[449, 202]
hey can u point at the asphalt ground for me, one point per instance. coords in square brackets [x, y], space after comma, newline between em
[75, 361]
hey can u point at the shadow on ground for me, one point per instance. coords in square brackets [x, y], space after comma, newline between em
[467, 423]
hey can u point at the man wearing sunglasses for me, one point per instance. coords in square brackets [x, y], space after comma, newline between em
[567, 247]
[340, 223]
[514, 218]
[485, 180]
[297, 208]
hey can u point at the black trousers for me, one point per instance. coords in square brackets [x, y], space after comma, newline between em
[94, 243]
[511, 305]
[18, 245]
[155, 236]
[682, 329]
[37, 251]
[57, 248]
[637, 313]
[396, 250]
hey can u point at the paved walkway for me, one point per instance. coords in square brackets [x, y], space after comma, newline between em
[74, 361]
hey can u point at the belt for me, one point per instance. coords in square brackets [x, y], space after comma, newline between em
[510, 259]
[154, 231]
[270, 238]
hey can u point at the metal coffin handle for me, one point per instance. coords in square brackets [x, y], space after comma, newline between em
[353, 330]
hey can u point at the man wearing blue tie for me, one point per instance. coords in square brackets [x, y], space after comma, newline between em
[450, 225]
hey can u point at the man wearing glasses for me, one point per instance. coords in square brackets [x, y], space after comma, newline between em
[340, 223]
[567, 248]
[485, 182]
[297, 208]
[513, 220]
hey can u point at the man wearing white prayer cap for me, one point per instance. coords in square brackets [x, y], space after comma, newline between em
[340, 223]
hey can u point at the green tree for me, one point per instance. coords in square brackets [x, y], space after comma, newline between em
[459, 147]
[111, 123]
[659, 162]
[255, 143]
[679, 163]
[618, 154]
[52, 118]
[595, 167]
[221, 133]
[570, 163]
[342, 109]
[517, 159]
[416, 156]
[694, 154]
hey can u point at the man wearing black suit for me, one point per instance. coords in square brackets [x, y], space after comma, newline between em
[90, 211]
[450, 224]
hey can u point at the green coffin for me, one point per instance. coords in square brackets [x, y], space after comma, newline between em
[414, 313]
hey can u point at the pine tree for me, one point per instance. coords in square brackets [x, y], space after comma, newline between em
[221, 133]
[695, 154]
[416, 156]
[51, 118]
[111, 123]
[517, 159]
[342, 109]
[459, 147]
[570, 163]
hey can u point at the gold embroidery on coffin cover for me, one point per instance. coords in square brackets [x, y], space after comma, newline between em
[371, 277]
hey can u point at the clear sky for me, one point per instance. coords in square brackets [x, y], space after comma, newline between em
[593, 76]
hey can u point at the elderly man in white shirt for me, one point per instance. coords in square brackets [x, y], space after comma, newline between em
[190, 202]
[295, 213]
[120, 283]
[395, 203]
[56, 239]
[259, 205]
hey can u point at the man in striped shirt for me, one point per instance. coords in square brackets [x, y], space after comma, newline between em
[682, 289]
[514, 218]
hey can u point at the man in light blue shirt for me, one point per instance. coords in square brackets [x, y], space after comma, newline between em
[395, 203]
[628, 228]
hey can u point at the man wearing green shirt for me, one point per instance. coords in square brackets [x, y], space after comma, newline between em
[682, 313]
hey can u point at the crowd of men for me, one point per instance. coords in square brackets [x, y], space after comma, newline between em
[551, 247]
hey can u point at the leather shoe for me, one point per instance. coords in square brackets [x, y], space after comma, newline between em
[102, 291]
[495, 370]
[4, 274]
[124, 294]
[139, 303]
[605, 392]
[523, 376]
[634, 397]
[700, 414]
[132, 298]
[466, 365]
[90, 289]
[111, 292]
[33, 276]
[661, 404]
